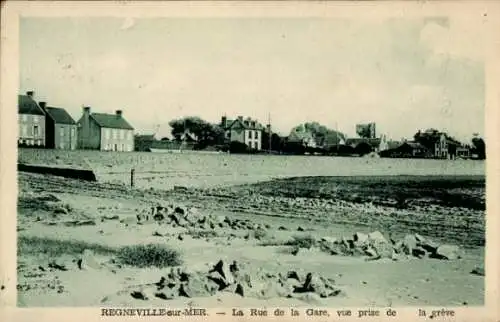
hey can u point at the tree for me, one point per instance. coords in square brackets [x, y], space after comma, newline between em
[323, 136]
[206, 133]
[479, 147]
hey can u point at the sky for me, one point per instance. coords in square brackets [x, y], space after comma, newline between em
[403, 74]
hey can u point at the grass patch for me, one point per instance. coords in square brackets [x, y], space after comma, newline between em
[148, 255]
[31, 245]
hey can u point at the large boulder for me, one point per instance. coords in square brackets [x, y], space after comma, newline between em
[198, 285]
[450, 252]
[87, 261]
[360, 239]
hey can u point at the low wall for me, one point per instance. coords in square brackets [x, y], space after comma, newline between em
[81, 174]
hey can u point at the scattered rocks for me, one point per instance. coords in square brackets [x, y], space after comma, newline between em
[237, 279]
[376, 246]
[181, 216]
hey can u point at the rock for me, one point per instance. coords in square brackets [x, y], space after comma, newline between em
[360, 239]
[479, 270]
[180, 210]
[60, 210]
[115, 217]
[175, 218]
[180, 237]
[377, 237]
[58, 266]
[419, 252]
[223, 269]
[219, 280]
[198, 286]
[191, 218]
[139, 295]
[409, 243]
[330, 240]
[282, 228]
[168, 294]
[300, 229]
[87, 261]
[449, 252]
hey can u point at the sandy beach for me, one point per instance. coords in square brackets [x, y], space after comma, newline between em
[71, 236]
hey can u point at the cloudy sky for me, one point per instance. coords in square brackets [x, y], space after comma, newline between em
[403, 74]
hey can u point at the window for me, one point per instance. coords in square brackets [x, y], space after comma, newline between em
[122, 134]
[249, 134]
[115, 135]
[123, 147]
[24, 118]
[61, 131]
[256, 135]
[72, 132]
[35, 130]
[35, 118]
[24, 129]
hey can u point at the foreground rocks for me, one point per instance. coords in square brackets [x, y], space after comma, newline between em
[234, 278]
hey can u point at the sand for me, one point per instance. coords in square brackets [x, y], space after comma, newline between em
[408, 281]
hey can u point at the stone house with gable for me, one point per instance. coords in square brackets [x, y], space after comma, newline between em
[105, 132]
[60, 128]
[31, 121]
[247, 131]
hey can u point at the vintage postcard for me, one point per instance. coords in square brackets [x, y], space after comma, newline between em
[249, 160]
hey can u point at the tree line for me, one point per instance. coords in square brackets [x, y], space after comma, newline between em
[207, 134]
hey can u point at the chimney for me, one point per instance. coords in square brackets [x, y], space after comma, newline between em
[30, 94]
[43, 105]
[223, 121]
[86, 110]
[119, 113]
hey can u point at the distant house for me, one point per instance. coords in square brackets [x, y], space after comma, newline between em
[60, 128]
[105, 132]
[247, 131]
[31, 121]
[407, 149]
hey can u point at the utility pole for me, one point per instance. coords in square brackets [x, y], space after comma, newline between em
[270, 132]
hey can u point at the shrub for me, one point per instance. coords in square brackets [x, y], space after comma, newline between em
[31, 245]
[156, 255]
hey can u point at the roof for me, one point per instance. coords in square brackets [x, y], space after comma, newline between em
[59, 115]
[415, 145]
[245, 124]
[112, 121]
[145, 136]
[27, 105]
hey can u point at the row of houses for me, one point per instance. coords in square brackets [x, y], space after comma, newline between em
[51, 127]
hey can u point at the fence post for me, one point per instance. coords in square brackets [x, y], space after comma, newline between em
[132, 178]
